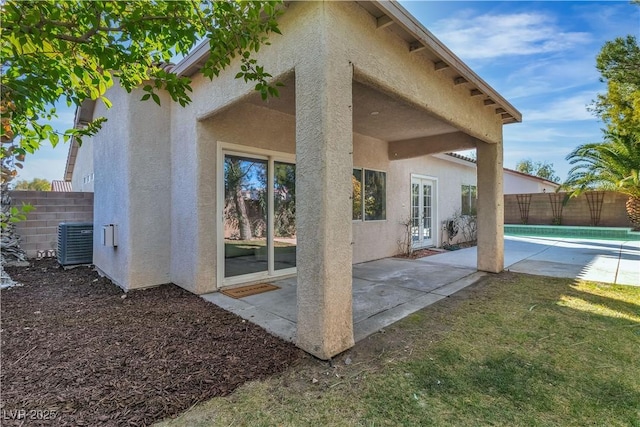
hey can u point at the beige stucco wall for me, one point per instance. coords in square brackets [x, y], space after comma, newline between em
[150, 181]
[252, 126]
[195, 132]
[379, 239]
[83, 177]
[112, 201]
[133, 175]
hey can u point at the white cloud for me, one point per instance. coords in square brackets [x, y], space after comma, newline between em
[546, 136]
[492, 36]
[552, 75]
[47, 163]
[571, 109]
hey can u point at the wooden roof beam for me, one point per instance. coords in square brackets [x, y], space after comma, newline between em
[489, 101]
[460, 81]
[384, 21]
[440, 65]
[416, 46]
[475, 92]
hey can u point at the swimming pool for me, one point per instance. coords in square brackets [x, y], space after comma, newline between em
[575, 232]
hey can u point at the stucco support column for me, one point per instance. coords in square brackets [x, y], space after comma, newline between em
[324, 163]
[490, 208]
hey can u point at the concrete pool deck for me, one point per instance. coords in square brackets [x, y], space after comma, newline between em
[386, 290]
[608, 261]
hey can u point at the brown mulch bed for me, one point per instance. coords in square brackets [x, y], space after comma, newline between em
[77, 350]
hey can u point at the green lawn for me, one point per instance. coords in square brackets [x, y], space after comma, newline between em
[513, 350]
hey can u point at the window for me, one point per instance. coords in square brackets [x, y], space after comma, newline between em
[369, 195]
[356, 181]
[469, 199]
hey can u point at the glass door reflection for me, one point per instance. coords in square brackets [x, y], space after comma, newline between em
[284, 215]
[245, 216]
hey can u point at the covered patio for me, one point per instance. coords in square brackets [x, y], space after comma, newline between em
[341, 111]
[384, 291]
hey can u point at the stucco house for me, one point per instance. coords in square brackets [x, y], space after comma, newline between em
[522, 183]
[515, 182]
[203, 196]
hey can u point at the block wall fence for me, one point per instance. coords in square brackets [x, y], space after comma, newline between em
[576, 211]
[40, 230]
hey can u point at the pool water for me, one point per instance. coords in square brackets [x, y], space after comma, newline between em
[572, 232]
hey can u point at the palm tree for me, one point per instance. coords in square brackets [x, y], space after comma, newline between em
[610, 165]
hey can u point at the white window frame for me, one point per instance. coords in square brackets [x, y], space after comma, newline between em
[386, 182]
[271, 157]
[435, 224]
[461, 205]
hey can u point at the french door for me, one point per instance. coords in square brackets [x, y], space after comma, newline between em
[258, 215]
[423, 212]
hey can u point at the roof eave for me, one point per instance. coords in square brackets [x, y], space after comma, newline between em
[398, 15]
[84, 115]
[406, 21]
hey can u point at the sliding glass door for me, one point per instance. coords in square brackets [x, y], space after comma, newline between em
[258, 216]
[284, 215]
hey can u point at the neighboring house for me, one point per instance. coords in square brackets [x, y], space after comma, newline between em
[79, 168]
[515, 182]
[62, 186]
[369, 94]
[522, 183]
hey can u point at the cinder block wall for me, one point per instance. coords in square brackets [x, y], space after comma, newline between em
[40, 231]
[575, 212]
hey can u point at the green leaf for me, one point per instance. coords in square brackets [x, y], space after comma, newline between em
[54, 139]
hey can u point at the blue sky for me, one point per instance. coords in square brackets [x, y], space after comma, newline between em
[539, 55]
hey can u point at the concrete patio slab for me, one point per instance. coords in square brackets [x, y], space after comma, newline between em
[386, 290]
[417, 274]
[379, 297]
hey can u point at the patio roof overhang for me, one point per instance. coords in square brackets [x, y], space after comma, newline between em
[390, 16]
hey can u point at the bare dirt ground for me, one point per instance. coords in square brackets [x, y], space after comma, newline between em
[76, 350]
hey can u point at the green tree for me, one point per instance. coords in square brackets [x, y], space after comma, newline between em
[610, 165]
[540, 169]
[614, 164]
[74, 50]
[242, 176]
[619, 65]
[36, 184]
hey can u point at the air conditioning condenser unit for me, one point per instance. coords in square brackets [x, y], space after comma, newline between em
[75, 243]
